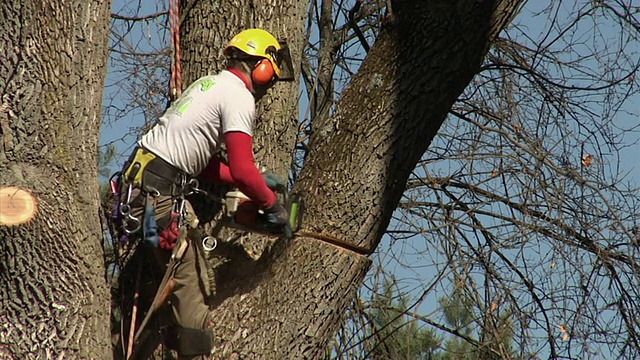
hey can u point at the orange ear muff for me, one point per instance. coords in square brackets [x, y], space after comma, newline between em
[263, 72]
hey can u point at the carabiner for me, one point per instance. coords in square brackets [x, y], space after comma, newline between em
[193, 186]
[131, 220]
[125, 209]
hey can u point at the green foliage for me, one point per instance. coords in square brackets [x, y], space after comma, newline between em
[458, 314]
[397, 333]
[457, 310]
[494, 330]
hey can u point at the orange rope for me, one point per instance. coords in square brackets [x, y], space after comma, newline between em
[176, 70]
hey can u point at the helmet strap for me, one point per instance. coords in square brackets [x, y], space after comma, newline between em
[245, 67]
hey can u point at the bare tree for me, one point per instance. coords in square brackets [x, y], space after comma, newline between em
[522, 198]
[137, 87]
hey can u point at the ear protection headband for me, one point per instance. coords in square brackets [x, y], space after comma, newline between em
[262, 72]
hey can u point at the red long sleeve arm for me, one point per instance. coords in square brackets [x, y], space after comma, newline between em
[217, 172]
[242, 171]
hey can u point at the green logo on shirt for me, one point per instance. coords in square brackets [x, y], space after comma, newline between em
[182, 103]
[206, 84]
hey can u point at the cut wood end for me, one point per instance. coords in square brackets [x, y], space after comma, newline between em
[17, 206]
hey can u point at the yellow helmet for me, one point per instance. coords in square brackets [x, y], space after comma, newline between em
[258, 43]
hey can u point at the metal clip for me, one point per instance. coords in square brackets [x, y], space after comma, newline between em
[153, 192]
[193, 187]
[134, 221]
[179, 209]
[131, 223]
[127, 218]
[178, 206]
[207, 240]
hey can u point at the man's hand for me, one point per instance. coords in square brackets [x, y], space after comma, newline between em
[273, 181]
[276, 214]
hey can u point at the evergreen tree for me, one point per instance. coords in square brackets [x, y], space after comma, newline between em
[397, 335]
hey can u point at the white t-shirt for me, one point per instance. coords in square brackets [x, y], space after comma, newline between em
[189, 132]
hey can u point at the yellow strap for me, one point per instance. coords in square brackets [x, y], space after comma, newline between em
[143, 157]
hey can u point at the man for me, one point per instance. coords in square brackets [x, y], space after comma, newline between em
[214, 110]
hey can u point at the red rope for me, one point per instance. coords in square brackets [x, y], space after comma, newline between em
[176, 70]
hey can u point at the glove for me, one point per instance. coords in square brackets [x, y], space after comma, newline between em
[273, 181]
[276, 214]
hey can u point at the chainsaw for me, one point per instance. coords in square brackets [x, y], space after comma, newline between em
[240, 212]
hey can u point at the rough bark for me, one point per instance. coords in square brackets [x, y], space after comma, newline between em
[53, 296]
[288, 304]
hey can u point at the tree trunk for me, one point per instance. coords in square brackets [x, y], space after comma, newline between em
[290, 302]
[54, 298]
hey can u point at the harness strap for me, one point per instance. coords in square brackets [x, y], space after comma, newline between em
[151, 173]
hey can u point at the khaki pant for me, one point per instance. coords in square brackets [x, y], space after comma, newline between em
[189, 299]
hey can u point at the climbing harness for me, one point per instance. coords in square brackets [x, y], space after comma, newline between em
[151, 176]
[144, 181]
